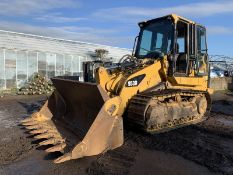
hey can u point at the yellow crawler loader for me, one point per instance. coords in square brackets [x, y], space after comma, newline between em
[163, 85]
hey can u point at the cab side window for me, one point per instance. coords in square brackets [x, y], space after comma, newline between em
[181, 47]
[201, 40]
[201, 60]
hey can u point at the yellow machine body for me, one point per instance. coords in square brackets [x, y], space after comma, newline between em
[84, 119]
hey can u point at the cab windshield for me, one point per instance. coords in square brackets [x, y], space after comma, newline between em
[155, 39]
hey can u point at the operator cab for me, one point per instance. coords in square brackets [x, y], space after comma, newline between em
[183, 41]
[155, 38]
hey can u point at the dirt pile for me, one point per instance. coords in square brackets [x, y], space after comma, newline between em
[36, 86]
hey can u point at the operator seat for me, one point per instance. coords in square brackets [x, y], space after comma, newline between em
[181, 62]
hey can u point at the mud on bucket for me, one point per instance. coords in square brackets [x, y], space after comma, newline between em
[75, 120]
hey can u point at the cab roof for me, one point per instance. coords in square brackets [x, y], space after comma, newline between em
[175, 17]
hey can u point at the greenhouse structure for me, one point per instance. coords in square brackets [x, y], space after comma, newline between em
[22, 55]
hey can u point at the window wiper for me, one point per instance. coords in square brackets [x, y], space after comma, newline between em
[150, 51]
[145, 49]
[201, 50]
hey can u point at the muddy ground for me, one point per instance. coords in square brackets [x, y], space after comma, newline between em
[206, 148]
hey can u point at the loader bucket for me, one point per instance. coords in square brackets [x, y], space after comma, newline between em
[76, 120]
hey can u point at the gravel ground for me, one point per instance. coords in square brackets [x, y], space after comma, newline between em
[206, 148]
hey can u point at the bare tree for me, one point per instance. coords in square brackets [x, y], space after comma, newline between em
[101, 54]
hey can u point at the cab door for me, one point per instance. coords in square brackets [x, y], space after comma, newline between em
[201, 52]
[191, 59]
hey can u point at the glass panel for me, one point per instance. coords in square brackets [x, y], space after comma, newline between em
[146, 42]
[201, 62]
[80, 74]
[75, 65]
[154, 39]
[50, 59]
[159, 41]
[42, 63]
[21, 68]
[59, 65]
[10, 65]
[2, 83]
[82, 59]
[181, 45]
[68, 63]
[2, 79]
[88, 58]
[32, 63]
[201, 40]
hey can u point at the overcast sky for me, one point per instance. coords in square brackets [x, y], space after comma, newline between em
[114, 22]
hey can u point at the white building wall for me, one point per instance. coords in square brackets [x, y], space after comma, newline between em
[22, 55]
